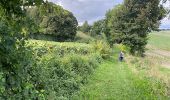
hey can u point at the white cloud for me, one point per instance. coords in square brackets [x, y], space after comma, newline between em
[165, 23]
[90, 10]
[93, 10]
[167, 4]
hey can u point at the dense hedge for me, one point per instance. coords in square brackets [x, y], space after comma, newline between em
[50, 70]
[63, 68]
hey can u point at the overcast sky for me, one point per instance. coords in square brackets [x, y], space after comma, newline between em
[93, 10]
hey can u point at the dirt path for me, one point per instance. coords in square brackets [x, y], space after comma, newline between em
[163, 55]
[157, 52]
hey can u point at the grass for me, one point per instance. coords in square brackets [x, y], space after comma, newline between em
[159, 48]
[114, 80]
[160, 40]
[165, 70]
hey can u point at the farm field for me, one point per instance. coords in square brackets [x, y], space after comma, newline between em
[159, 49]
[160, 40]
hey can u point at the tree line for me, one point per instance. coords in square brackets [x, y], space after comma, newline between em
[129, 23]
[54, 21]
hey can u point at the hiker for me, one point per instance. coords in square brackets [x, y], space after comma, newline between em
[121, 56]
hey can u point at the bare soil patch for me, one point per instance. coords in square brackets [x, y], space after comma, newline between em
[162, 55]
[166, 65]
[162, 52]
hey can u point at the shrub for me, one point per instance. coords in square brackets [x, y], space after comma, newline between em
[103, 48]
[83, 38]
[63, 68]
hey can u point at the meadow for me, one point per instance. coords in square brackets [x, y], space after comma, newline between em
[135, 79]
[84, 70]
[160, 40]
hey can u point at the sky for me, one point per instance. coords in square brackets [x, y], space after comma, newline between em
[93, 10]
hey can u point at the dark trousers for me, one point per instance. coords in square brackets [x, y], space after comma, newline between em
[120, 58]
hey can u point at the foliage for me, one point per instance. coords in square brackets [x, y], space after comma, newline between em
[122, 47]
[64, 67]
[83, 37]
[16, 59]
[85, 28]
[103, 48]
[131, 22]
[98, 28]
[53, 20]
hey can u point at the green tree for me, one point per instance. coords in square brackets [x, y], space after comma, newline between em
[98, 28]
[53, 20]
[85, 27]
[131, 22]
[15, 67]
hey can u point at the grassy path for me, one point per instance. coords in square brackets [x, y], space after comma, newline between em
[115, 81]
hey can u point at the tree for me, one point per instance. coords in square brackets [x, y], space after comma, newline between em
[15, 57]
[97, 28]
[85, 27]
[168, 8]
[53, 20]
[131, 22]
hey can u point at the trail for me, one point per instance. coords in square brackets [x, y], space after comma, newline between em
[115, 81]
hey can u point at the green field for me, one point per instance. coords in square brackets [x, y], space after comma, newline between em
[159, 48]
[160, 40]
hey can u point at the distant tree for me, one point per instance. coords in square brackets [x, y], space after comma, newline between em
[53, 20]
[97, 28]
[131, 22]
[85, 27]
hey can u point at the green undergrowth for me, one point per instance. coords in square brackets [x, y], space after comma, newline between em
[62, 68]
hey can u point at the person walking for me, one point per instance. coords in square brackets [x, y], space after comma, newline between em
[121, 56]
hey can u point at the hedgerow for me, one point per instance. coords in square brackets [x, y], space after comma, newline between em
[62, 68]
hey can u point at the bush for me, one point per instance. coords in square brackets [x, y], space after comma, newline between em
[63, 68]
[17, 65]
[103, 48]
[83, 38]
